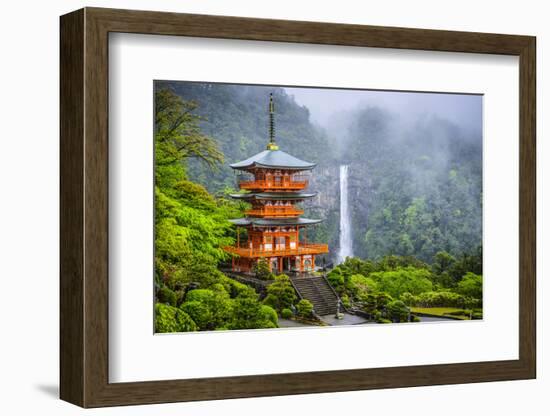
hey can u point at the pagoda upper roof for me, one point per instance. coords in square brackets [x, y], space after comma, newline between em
[291, 196]
[273, 159]
[272, 222]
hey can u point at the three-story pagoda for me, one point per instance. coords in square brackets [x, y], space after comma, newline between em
[276, 181]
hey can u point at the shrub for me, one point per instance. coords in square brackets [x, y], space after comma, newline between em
[345, 301]
[269, 314]
[304, 308]
[471, 285]
[248, 313]
[286, 313]
[416, 319]
[384, 321]
[170, 319]
[280, 293]
[409, 299]
[336, 280]
[210, 309]
[398, 311]
[261, 270]
[359, 284]
[401, 280]
[185, 323]
[440, 298]
[167, 296]
[271, 300]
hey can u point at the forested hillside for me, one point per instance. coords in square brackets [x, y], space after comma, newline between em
[236, 117]
[191, 228]
[415, 185]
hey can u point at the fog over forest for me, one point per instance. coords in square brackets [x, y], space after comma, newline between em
[334, 109]
[415, 160]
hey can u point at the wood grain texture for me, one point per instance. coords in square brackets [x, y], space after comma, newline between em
[84, 207]
[71, 184]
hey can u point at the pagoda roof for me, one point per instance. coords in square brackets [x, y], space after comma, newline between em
[271, 222]
[273, 159]
[275, 195]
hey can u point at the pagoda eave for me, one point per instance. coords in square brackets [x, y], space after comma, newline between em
[274, 222]
[273, 159]
[290, 196]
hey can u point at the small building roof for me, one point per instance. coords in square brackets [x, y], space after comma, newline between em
[273, 159]
[290, 196]
[272, 222]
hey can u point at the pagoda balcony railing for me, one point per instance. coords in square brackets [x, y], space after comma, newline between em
[298, 251]
[273, 184]
[275, 211]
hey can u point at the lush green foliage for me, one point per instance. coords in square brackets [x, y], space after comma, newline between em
[304, 308]
[392, 284]
[398, 311]
[261, 270]
[237, 116]
[418, 185]
[280, 293]
[471, 285]
[248, 313]
[395, 282]
[286, 313]
[170, 319]
[191, 228]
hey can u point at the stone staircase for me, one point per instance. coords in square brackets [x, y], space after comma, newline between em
[317, 290]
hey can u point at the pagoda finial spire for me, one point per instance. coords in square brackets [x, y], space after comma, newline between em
[272, 145]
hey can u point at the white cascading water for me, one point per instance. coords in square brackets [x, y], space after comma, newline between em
[346, 249]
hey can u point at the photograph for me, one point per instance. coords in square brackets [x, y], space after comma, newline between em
[285, 206]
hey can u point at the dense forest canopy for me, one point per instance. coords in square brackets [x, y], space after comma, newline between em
[417, 187]
[237, 117]
[191, 228]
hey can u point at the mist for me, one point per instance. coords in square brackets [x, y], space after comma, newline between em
[334, 109]
[414, 176]
[415, 163]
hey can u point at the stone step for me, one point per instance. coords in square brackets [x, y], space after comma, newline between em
[317, 290]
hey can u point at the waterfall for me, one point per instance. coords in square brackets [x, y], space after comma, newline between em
[346, 249]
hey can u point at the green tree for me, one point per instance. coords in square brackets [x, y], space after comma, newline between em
[398, 311]
[250, 314]
[191, 226]
[409, 299]
[210, 309]
[304, 308]
[359, 285]
[170, 319]
[178, 135]
[471, 285]
[401, 280]
[261, 270]
[280, 293]
[442, 262]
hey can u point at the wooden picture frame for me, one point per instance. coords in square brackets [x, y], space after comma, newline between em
[84, 207]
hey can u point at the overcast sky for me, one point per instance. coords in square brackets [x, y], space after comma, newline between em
[464, 110]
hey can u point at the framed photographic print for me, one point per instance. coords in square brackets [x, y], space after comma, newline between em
[256, 207]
